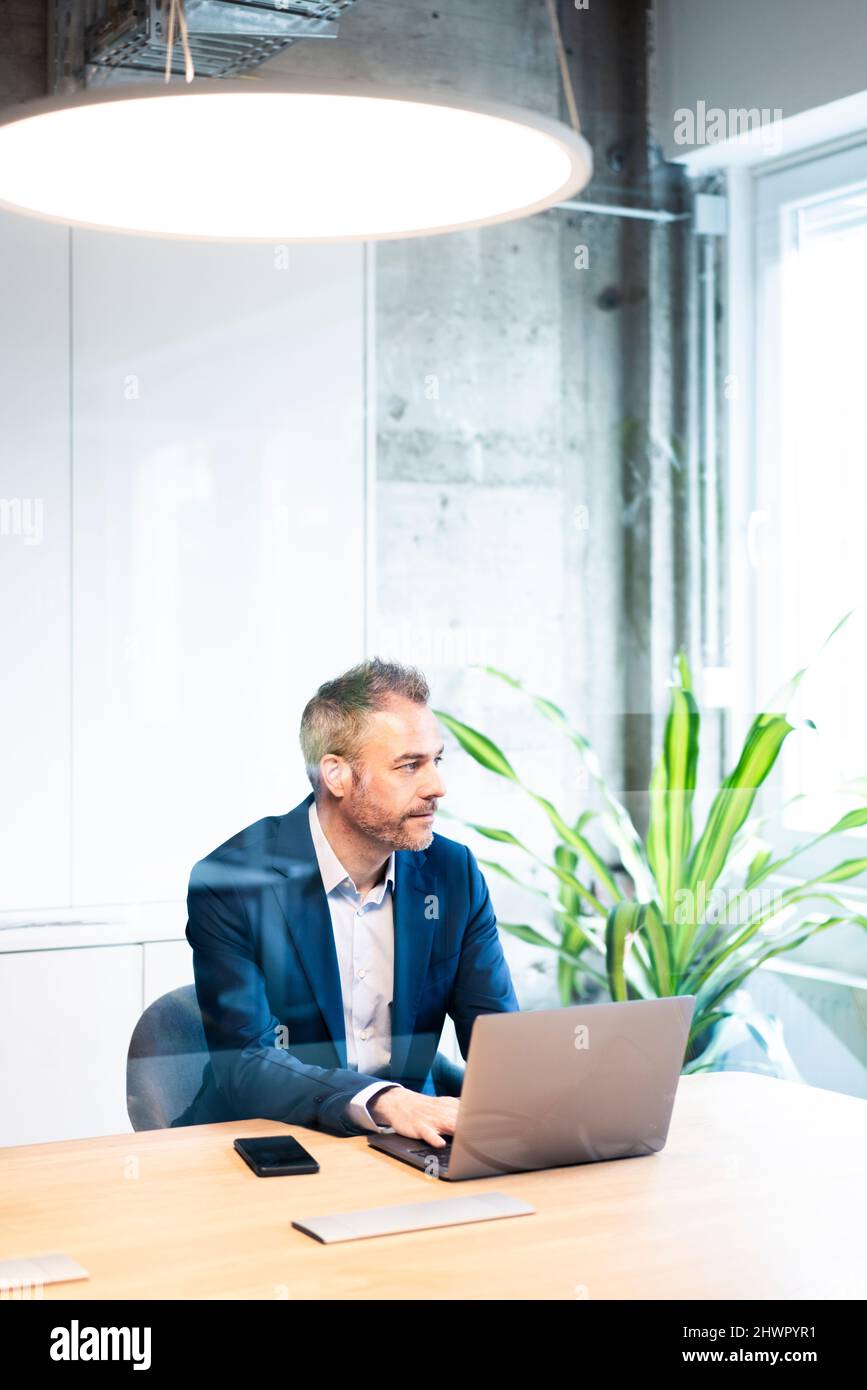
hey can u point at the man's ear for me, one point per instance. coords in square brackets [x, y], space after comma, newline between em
[334, 772]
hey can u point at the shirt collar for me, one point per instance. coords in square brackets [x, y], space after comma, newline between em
[333, 873]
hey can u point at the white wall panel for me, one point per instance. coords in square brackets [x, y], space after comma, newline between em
[219, 539]
[34, 563]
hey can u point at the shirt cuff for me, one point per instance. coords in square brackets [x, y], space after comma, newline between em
[358, 1113]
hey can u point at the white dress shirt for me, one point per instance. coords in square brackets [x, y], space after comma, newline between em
[364, 938]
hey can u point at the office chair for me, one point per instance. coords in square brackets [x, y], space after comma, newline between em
[168, 1053]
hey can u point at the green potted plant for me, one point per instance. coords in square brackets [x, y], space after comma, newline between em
[649, 922]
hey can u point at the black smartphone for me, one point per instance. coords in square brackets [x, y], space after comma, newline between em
[275, 1155]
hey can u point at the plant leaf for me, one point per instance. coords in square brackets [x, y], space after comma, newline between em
[766, 1029]
[535, 938]
[711, 995]
[623, 923]
[578, 842]
[617, 821]
[783, 698]
[479, 746]
[660, 950]
[851, 821]
[757, 864]
[485, 752]
[671, 795]
[733, 801]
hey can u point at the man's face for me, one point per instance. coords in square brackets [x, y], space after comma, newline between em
[396, 781]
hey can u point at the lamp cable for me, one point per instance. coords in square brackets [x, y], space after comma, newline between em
[565, 76]
[177, 15]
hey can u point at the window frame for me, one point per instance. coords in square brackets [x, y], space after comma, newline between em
[760, 200]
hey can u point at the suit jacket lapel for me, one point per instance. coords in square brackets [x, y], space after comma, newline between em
[305, 907]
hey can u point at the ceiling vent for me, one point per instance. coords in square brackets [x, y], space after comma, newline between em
[95, 42]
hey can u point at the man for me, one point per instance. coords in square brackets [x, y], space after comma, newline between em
[329, 943]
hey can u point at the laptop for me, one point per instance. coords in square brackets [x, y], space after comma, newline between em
[547, 1088]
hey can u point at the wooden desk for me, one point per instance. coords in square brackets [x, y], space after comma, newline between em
[759, 1193]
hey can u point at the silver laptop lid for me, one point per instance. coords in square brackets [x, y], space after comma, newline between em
[550, 1087]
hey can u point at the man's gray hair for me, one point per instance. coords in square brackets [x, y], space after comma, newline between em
[336, 719]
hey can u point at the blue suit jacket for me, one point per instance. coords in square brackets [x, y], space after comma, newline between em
[264, 956]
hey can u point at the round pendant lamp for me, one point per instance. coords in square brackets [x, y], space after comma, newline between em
[246, 160]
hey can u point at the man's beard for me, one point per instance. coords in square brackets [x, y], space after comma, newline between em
[398, 832]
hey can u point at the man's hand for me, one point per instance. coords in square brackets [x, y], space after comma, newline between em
[416, 1116]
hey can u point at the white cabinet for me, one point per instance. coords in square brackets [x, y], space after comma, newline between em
[66, 1019]
[167, 965]
[67, 1016]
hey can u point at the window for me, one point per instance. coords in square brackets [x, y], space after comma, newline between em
[806, 522]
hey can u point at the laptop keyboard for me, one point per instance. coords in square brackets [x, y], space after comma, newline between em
[441, 1155]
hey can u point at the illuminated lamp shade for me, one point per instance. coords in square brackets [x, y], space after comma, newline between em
[246, 161]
